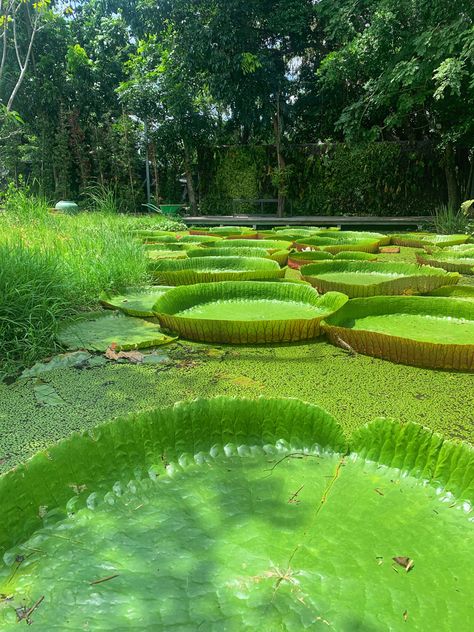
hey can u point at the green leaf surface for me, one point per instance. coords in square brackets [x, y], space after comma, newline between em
[100, 330]
[434, 332]
[240, 514]
[363, 278]
[46, 395]
[60, 361]
[243, 312]
[135, 301]
[211, 269]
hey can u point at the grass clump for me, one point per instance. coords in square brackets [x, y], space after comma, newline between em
[52, 266]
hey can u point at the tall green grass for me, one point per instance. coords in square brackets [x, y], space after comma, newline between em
[52, 266]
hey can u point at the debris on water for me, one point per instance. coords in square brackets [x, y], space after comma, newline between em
[103, 579]
[406, 562]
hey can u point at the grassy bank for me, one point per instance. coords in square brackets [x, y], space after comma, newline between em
[54, 265]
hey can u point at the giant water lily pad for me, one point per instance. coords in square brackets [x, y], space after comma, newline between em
[135, 301]
[200, 239]
[455, 291]
[338, 243]
[271, 245]
[298, 259]
[238, 232]
[239, 515]
[228, 251]
[361, 278]
[98, 331]
[462, 262]
[420, 240]
[210, 269]
[246, 312]
[427, 331]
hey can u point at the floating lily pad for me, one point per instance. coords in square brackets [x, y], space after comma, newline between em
[246, 312]
[200, 239]
[155, 255]
[228, 251]
[462, 262]
[135, 301]
[298, 259]
[334, 244]
[98, 331]
[419, 240]
[271, 245]
[240, 515]
[210, 269]
[427, 331]
[456, 291]
[363, 278]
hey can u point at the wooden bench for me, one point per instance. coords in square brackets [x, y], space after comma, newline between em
[342, 221]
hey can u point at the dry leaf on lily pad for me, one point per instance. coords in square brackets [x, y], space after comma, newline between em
[97, 331]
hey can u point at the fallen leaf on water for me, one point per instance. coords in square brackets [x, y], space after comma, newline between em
[135, 357]
[406, 562]
[45, 394]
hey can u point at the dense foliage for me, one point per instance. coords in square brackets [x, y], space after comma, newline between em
[89, 89]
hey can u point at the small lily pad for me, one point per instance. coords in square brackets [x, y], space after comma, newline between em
[135, 301]
[46, 394]
[98, 331]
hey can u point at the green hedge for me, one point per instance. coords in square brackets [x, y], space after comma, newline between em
[374, 179]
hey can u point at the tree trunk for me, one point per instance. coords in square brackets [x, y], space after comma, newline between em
[189, 180]
[454, 199]
[280, 160]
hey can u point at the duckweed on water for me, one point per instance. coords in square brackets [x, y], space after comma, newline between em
[355, 389]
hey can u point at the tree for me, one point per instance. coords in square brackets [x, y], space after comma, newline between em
[172, 100]
[401, 69]
[20, 22]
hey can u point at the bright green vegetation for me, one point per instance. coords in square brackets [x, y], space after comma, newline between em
[418, 240]
[419, 330]
[208, 269]
[135, 301]
[52, 266]
[456, 291]
[234, 508]
[335, 245]
[268, 244]
[437, 329]
[362, 278]
[98, 331]
[242, 312]
[257, 309]
[453, 261]
[315, 372]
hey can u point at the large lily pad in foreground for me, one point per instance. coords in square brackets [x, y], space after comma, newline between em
[98, 331]
[362, 278]
[246, 312]
[135, 301]
[239, 515]
[210, 269]
[435, 332]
